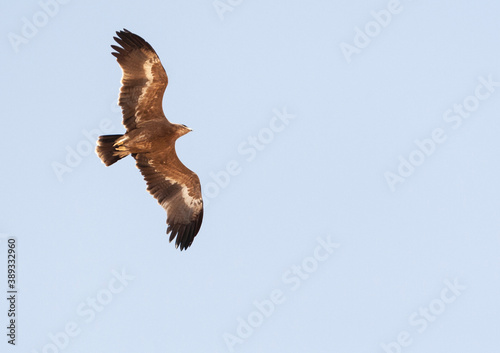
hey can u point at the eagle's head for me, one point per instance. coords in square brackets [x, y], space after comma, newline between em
[182, 129]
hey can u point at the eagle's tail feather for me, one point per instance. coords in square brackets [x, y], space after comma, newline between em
[109, 149]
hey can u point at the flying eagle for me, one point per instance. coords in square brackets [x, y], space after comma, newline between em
[150, 138]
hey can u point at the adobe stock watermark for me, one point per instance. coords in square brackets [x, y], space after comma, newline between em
[31, 26]
[421, 319]
[11, 298]
[249, 149]
[86, 312]
[83, 148]
[223, 6]
[292, 279]
[363, 36]
[453, 118]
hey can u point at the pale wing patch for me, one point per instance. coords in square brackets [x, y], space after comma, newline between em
[147, 67]
[192, 205]
[188, 199]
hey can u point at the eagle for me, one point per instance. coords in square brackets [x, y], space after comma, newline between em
[150, 138]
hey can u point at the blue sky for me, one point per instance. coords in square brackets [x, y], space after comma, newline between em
[348, 155]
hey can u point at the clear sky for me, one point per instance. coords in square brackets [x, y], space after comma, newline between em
[348, 153]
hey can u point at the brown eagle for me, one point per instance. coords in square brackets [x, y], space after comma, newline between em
[150, 138]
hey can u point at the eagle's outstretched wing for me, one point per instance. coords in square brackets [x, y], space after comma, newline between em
[177, 190]
[143, 82]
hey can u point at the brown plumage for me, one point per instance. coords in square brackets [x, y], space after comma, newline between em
[150, 138]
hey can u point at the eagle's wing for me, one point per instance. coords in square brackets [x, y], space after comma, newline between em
[143, 82]
[177, 190]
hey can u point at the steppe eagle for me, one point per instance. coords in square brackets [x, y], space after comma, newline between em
[150, 138]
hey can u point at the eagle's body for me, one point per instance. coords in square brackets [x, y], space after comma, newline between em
[150, 139]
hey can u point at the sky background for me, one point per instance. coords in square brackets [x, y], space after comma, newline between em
[414, 265]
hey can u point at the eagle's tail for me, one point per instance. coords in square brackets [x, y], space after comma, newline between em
[109, 149]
